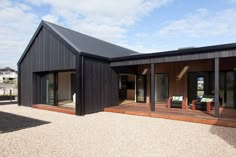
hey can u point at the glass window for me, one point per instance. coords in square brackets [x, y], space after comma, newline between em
[230, 89]
[50, 89]
[161, 87]
[200, 86]
[140, 88]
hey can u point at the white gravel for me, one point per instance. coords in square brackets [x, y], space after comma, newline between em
[111, 134]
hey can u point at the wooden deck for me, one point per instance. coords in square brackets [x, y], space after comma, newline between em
[61, 109]
[227, 116]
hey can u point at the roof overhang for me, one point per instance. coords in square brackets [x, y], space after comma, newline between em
[209, 52]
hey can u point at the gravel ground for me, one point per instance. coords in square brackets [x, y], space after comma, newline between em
[44, 133]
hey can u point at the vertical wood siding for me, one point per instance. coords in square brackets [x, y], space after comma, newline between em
[39, 88]
[177, 87]
[100, 85]
[47, 53]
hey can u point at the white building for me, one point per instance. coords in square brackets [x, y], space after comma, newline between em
[8, 81]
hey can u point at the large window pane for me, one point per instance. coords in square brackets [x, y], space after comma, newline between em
[140, 88]
[229, 89]
[50, 89]
[161, 87]
[200, 86]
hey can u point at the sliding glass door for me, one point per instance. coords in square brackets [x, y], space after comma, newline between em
[230, 89]
[202, 83]
[51, 89]
[161, 87]
[140, 88]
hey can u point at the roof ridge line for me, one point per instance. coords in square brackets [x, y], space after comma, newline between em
[107, 42]
[62, 36]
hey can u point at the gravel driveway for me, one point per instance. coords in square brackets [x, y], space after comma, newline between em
[26, 132]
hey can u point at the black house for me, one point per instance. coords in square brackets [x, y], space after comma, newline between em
[62, 67]
[59, 63]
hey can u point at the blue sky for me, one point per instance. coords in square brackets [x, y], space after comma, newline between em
[142, 25]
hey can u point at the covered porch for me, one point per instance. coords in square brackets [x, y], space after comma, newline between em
[191, 76]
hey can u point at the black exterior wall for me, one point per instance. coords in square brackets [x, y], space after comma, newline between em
[79, 86]
[47, 53]
[19, 85]
[98, 87]
[39, 88]
[152, 105]
[96, 81]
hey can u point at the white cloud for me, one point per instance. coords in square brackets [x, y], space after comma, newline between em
[107, 20]
[17, 26]
[102, 31]
[139, 47]
[202, 24]
[51, 18]
[120, 12]
[142, 49]
[103, 19]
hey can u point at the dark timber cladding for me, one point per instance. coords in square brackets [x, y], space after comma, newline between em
[152, 107]
[39, 88]
[217, 104]
[46, 53]
[19, 85]
[99, 85]
[54, 48]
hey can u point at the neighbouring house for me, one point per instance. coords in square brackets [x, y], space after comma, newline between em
[8, 81]
[64, 67]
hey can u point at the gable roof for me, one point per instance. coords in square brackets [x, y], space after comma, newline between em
[91, 45]
[87, 45]
[82, 43]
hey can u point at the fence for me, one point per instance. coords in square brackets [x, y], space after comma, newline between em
[7, 99]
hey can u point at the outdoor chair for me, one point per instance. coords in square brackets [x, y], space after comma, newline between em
[205, 103]
[177, 102]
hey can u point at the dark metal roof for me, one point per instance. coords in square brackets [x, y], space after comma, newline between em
[179, 52]
[90, 45]
[81, 43]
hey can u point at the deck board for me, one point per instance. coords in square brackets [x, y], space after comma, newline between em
[227, 116]
[61, 109]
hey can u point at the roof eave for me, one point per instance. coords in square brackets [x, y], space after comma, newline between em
[94, 56]
[199, 50]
